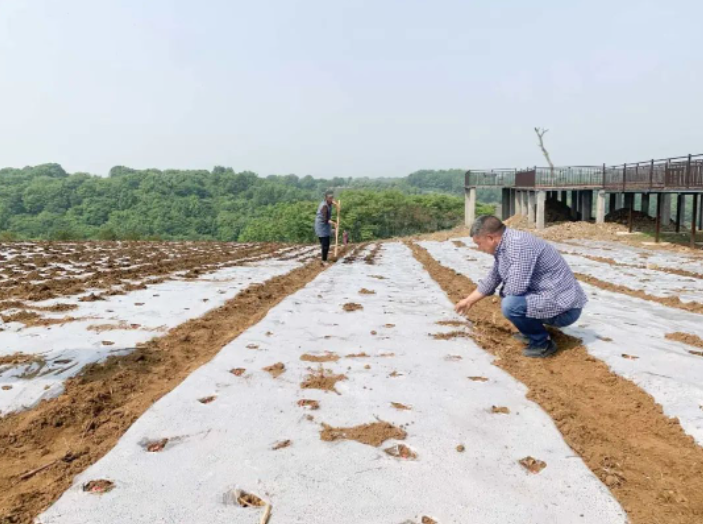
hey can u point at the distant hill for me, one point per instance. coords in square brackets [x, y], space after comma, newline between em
[45, 202]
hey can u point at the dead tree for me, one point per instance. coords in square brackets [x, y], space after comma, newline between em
[540, 134]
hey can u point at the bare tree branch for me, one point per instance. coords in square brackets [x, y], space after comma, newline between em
[540, 134]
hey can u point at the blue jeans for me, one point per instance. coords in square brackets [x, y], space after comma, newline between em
[515, 310]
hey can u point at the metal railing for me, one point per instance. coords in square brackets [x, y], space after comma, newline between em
[652, 175]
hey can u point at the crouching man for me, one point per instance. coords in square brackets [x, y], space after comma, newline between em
[538, 287]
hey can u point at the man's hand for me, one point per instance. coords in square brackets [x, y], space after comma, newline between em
[463, 306]
[333, 223]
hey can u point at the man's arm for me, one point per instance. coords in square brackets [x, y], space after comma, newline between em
[328, 216]
[486, 287]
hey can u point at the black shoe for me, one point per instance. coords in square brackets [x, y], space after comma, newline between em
[543, 352]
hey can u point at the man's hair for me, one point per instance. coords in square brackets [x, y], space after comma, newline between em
[329, 194]
[486, 225]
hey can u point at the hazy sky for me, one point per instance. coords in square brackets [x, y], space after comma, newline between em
[347, 88]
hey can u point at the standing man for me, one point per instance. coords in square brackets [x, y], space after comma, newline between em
[538, 287]
[324, 224]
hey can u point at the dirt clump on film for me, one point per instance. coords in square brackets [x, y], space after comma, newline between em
[322, 379]
[604, 418]
[276, 370]
[327, 357]
[373, 434]
[352, 306]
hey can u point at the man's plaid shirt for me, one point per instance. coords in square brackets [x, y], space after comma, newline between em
[527, 265]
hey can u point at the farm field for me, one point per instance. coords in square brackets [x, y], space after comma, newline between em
[196, 382]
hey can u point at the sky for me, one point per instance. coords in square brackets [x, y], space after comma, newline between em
[347, 88]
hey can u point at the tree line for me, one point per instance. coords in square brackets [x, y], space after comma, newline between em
[45, 202]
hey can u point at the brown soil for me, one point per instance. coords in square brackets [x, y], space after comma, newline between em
[373, 434]
[31, 319]
[427, 520]
[358, 355]
[156, 445]
[686, 338]
[675, 302]
[352, 306]
[532, 465]
[32, 275]
[100, 328]
[500, 410]
[207, 400]
[378, 277]
[322, 379]
[453, 358]
[451, 323]
[401, 451]
[238, 372]
[310, 404]
[478, 379]
[364, 291]
[101, 403]
[98, 486]
[371, 257]
[328, 357]
[461, 448]
[451, 335]
[670, 270]
[458, 243]
[282, 444]
[276, 370]
[398, 405]
[249, 500]
[19, 359]
[616, 428]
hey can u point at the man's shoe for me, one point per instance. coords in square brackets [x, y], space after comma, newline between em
[542, 352]
[523, 339]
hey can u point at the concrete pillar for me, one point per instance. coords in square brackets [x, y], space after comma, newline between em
[587, 209]
[574, 204]
[619, 204]
[644, 204]
[469, 206]
[505, 201]
[680, 211]
[666, 209]
[700, 212]
[629, 200]
[562, 197]
[525, 203]
[541, 210]
[531, 207]
[600, 207]
[518, 203]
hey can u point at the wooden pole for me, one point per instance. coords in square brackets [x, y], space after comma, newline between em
[339, 225]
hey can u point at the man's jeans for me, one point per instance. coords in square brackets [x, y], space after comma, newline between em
[515, 310]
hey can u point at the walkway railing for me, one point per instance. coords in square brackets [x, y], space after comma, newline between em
[677, 173]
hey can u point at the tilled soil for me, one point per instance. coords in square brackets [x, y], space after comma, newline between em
[42, 271]
[651, 466]
[63, 436]
[686, 338]
[670, 270]
[675, 302]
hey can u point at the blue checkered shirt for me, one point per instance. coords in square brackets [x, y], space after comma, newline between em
[527, 265]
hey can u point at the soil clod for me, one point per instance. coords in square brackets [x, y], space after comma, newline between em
[532, 464]
[276, 369]
[352, 306]
[98, 486]
[322, 379]
[373, 434]
[401, 451]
